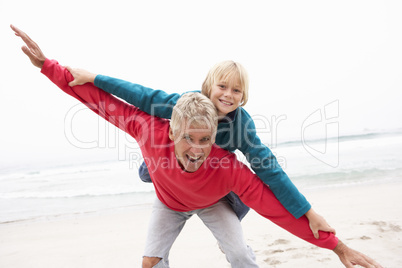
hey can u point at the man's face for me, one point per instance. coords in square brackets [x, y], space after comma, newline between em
[192, 146]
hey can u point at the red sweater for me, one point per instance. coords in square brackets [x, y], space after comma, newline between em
[220, 173]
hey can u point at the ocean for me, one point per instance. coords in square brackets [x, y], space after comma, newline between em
[51, 191]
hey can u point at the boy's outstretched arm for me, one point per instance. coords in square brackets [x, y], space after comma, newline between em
[153, 102]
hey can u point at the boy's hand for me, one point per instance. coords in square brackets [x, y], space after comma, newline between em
[318, 223]
[80, 76]
[32, 50]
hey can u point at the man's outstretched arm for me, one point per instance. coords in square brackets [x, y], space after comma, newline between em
[254, 193]
[125, 116]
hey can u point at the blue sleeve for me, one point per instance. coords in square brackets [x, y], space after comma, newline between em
[153, 102]
[266, 166]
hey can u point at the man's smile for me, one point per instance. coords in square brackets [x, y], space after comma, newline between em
[193, 159]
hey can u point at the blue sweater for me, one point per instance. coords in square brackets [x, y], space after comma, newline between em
[237, 131]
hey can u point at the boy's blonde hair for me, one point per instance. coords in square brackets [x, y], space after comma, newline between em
[195, 110]
[225, 71]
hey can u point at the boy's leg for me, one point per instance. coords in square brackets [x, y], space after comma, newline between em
[164, 227]
[237, 205]
[226, 227]
[144, 173]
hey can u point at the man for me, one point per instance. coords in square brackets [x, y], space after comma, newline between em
[191, 175]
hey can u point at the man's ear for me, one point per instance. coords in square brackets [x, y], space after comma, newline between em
[171, 136]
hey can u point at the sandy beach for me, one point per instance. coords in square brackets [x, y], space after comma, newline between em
[368, 218]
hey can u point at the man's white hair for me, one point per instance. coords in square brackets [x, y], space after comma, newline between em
[195, 110]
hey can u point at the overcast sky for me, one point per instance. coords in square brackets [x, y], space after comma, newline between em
[303, 57]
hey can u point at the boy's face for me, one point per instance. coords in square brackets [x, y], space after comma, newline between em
[192, 146]
[226, 96]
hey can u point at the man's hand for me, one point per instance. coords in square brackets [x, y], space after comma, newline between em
[31, 49]
[350, 257]
[318, 223]
[81, 76]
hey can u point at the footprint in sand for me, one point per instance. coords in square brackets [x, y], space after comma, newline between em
[272, 262]
[383, 227]
[281, 242]
[387, 227]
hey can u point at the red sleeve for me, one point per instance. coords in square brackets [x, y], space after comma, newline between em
[125, 116]
[257, 195]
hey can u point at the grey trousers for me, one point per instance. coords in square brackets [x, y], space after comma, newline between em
[166, 224]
